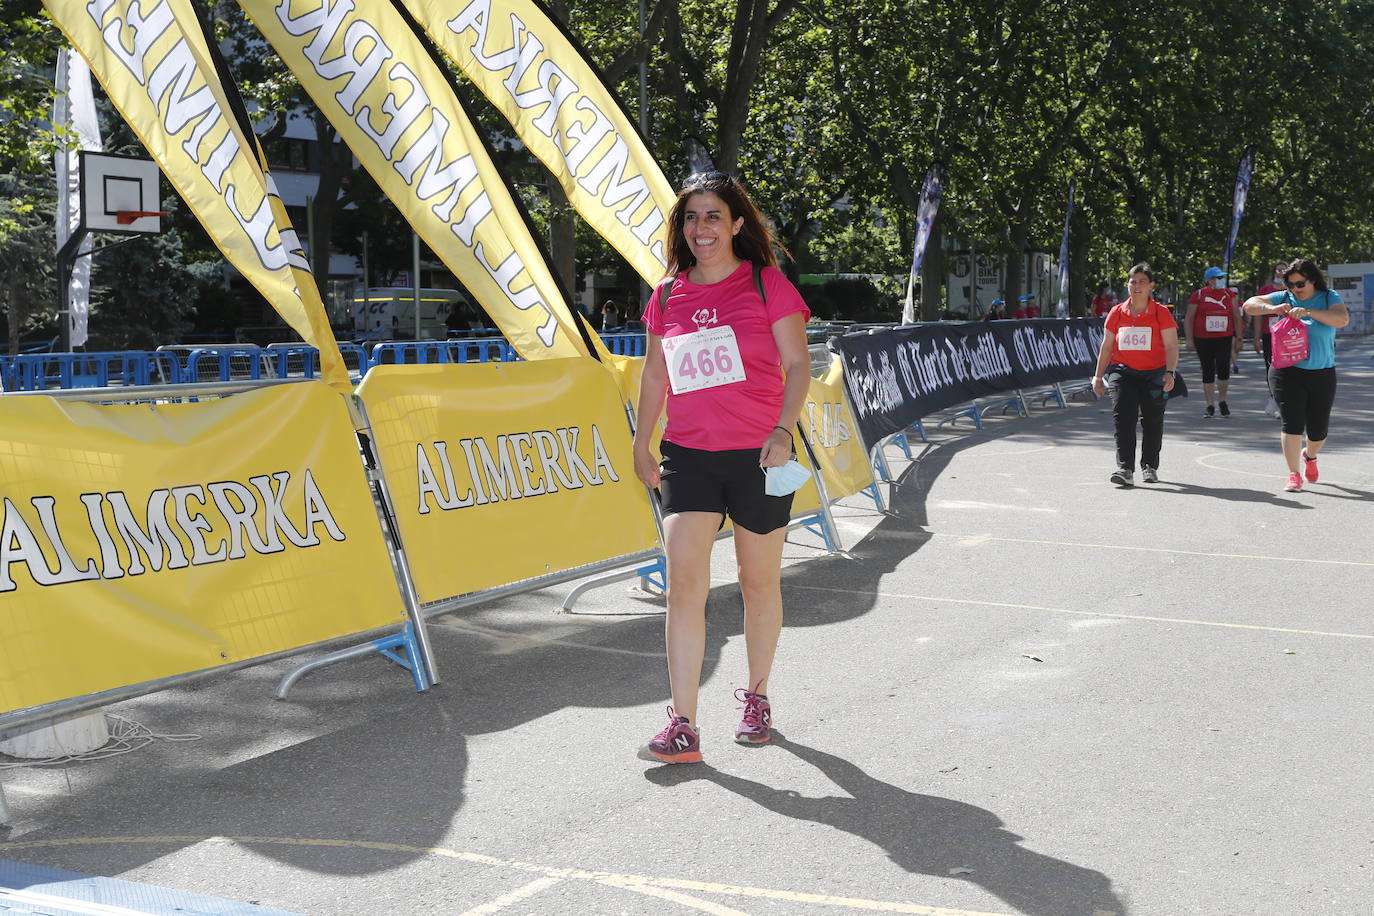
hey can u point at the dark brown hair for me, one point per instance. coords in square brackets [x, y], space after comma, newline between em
[754, 241]
[1307, 268]
[1142, 268]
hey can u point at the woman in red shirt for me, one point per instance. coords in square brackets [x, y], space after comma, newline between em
[1136, 364]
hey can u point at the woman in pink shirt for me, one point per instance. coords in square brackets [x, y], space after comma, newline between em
[727, 354]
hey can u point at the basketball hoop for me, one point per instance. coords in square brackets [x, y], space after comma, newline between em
[125, 217]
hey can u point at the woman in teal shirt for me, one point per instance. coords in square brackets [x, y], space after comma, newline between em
[1305, 391]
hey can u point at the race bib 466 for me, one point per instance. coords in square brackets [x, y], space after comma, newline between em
[703, 359]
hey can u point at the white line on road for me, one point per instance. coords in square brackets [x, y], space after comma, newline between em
[1192, 553]
[944, 599]
[515, 896]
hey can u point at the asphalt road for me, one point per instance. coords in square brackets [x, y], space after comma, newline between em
[1024, 691]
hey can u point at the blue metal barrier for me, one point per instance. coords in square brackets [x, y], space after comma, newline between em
[44, 371]
[472, 350]
[625, 343]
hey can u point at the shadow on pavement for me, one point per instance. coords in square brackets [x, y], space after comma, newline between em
[924, 834]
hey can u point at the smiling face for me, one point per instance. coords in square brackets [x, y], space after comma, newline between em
[708, 228]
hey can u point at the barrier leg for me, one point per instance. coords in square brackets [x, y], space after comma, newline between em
[405, 639]
[920, 431]
[654, 573]
[900, 441]
[880, 464]
[4, 809]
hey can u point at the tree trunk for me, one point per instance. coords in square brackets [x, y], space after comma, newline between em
[1080, 235]
[562, 220]
[933, 271]
[1013, 276]
[335, 160]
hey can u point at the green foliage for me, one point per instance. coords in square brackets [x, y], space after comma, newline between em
[145, 294]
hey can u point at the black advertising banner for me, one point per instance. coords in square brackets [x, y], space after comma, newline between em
[896, 376]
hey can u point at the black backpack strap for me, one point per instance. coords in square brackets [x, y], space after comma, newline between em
[663, 289]
[758, 281]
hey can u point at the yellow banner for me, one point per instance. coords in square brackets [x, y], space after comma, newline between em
[371, 76]
[152, 58]
[501, 472]
[834, 435]
[139, 542]
[537, 76]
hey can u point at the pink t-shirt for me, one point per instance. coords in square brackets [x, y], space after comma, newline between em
[739, 414]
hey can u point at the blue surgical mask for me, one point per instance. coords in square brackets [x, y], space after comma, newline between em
[789, 478]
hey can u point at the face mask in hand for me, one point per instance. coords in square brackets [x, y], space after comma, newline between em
[789, 478]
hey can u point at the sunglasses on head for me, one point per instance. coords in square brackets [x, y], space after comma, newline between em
[1295, 284]
[712, 177]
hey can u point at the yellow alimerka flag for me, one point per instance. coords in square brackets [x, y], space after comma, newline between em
[831, 429]
[375, 81]
[501, 472]
[156, 66]
[139, 542]
[538, 77]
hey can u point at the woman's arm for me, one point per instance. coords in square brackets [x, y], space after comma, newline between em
[1169, 337]
[1188, 323]
[1260, 305]
[1104, 356]
[789, 333]
[653, 393]
[1337, 315]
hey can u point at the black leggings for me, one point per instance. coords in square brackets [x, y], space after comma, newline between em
[1305, 397]
[1215, 355]
[1137, 397]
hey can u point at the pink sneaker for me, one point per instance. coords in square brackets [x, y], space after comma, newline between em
[756, 725]
[1294, 482]
[677, 743]
[1309, 467]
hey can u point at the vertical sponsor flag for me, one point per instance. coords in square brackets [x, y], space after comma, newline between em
[932, 189]
[1061, 310]
[390, 101]
[1243, 173]
[156, 65]
[74, 107]
[544, 83]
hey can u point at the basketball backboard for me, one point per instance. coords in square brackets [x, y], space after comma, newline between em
[116, 192]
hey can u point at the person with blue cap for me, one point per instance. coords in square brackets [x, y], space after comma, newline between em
[1211, 325]
[995, 311]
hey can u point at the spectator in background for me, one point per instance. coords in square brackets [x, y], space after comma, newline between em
[996, 311]
[1264, 341]
[1102, 302]
[1211, 324]
[610, 315]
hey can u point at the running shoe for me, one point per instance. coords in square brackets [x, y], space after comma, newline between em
[756, 725]
[1309, 467]
[1225, 411]
[1209, 413]
[1294, 482]
[1270, 408]
[677, 743]
[1149, 475]
[1121, 477]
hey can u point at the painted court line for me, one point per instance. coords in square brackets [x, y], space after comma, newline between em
[657, 887]
[942, 599]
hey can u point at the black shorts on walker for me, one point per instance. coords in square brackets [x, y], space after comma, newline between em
[729, 482]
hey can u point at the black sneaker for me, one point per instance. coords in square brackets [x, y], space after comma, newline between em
[1149, 475]
[1225, 411]
[1121, 477]
[1209, 413]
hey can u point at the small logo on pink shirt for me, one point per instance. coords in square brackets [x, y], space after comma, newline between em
[704, 318]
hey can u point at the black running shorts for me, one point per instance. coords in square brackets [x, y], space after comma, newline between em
[728, 482]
